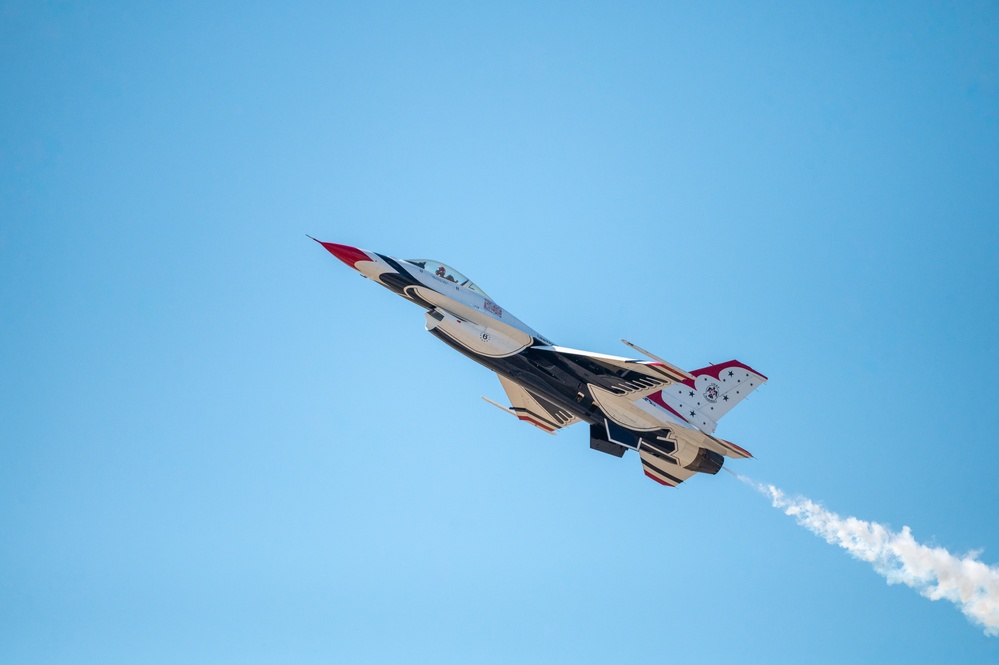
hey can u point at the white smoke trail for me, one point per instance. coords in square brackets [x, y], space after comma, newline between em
[932, 571]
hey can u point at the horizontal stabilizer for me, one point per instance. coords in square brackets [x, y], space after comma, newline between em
[662, 469]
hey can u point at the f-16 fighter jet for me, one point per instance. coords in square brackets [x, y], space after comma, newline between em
[665, 414]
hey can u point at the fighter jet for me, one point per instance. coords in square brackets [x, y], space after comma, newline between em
[664, 413]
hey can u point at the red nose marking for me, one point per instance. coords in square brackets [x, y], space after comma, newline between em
[349, 255]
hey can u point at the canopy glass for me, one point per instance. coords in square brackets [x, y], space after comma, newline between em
[445, 271]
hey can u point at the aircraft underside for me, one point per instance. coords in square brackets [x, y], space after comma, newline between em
[563, 390]
[664, 413]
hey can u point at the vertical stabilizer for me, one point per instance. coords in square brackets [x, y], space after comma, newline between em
[711, 394]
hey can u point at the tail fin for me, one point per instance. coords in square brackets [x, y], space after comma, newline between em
[713, 392]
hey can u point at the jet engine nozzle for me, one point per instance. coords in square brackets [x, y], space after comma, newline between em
[707, 461]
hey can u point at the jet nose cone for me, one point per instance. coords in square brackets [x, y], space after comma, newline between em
[349, 255]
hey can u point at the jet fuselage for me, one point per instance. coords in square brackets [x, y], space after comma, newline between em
[629, 404]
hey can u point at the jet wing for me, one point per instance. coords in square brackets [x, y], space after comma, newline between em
[623, 376]
[535, 410]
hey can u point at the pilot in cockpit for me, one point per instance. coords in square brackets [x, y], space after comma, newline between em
[442, 272]
[446, 272]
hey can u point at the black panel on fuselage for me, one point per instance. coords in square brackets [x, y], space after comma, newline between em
[560, 379]
[598, 441]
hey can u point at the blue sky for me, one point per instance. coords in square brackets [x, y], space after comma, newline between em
[217, 444]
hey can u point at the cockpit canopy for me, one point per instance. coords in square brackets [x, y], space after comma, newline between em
[445, 271]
